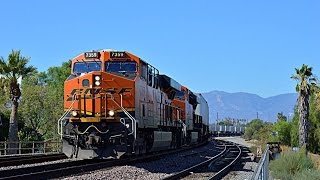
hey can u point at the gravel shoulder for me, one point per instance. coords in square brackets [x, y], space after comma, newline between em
[236, 139]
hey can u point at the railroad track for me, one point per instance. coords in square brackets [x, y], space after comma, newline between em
[213, 168]
[62, 169]
[29, 159]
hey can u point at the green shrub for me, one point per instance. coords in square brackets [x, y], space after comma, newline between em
[289, 164]
[311, 174]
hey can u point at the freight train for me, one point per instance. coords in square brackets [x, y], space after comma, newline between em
[116, 104]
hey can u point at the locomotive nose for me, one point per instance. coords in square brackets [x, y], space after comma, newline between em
[98, 97]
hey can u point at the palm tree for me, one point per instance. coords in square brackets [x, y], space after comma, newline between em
[14, 69]
[305, 87]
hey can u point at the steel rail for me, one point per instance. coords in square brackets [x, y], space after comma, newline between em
[29, 159]
[188, 171]
[75, 167]
[224, 171]
[211, 162]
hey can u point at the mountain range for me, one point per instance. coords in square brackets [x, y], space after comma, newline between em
[249, 106]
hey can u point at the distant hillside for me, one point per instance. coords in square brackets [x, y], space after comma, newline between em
[246, 105]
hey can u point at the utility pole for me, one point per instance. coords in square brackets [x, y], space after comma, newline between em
[217, 118]
[257, 115]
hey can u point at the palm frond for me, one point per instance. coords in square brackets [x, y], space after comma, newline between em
[15, 66]
[305, 79]
[294, 76]
[297, 88]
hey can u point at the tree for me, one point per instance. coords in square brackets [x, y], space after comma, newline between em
[306, 82]
[33, 110]
[13, 69]
[4, 113]
[283, 129]
[42, 103]
[56, 77]
[317, 98]
[281, 117]
[314, 126]
[294, 132]
[253, 128]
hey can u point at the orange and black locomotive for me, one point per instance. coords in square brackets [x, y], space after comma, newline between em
[117, 104]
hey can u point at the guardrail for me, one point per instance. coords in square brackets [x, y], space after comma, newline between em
[29, 147]
[262, 170]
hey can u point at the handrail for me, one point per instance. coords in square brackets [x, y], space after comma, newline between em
[184, 127]
[63, 116]
[262, 170]
[134, 121]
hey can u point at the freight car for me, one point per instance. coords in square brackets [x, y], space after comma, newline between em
[117, 104]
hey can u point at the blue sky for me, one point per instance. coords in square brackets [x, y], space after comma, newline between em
[234, 46]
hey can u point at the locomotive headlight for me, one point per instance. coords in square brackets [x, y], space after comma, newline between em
[97, 83]
[97, 78]
[111, 113]
[74, 113]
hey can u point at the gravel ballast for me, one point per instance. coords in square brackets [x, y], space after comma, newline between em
[163, 167]
[156, 169]
[35, 164]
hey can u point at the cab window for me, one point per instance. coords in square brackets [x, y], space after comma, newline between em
[126, 69]
[85, 67]
[180, 95]
[121, 67]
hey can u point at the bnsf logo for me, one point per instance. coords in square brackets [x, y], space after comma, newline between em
[96, 91]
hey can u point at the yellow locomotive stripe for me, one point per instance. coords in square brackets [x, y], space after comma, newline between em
[119, 110]
[93, 119]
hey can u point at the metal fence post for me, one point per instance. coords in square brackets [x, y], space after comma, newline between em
[32, 147]
[5, 148]
[267, 165]
[19, 147]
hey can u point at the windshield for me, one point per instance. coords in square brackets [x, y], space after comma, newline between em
[84, 67]
[121, 67]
